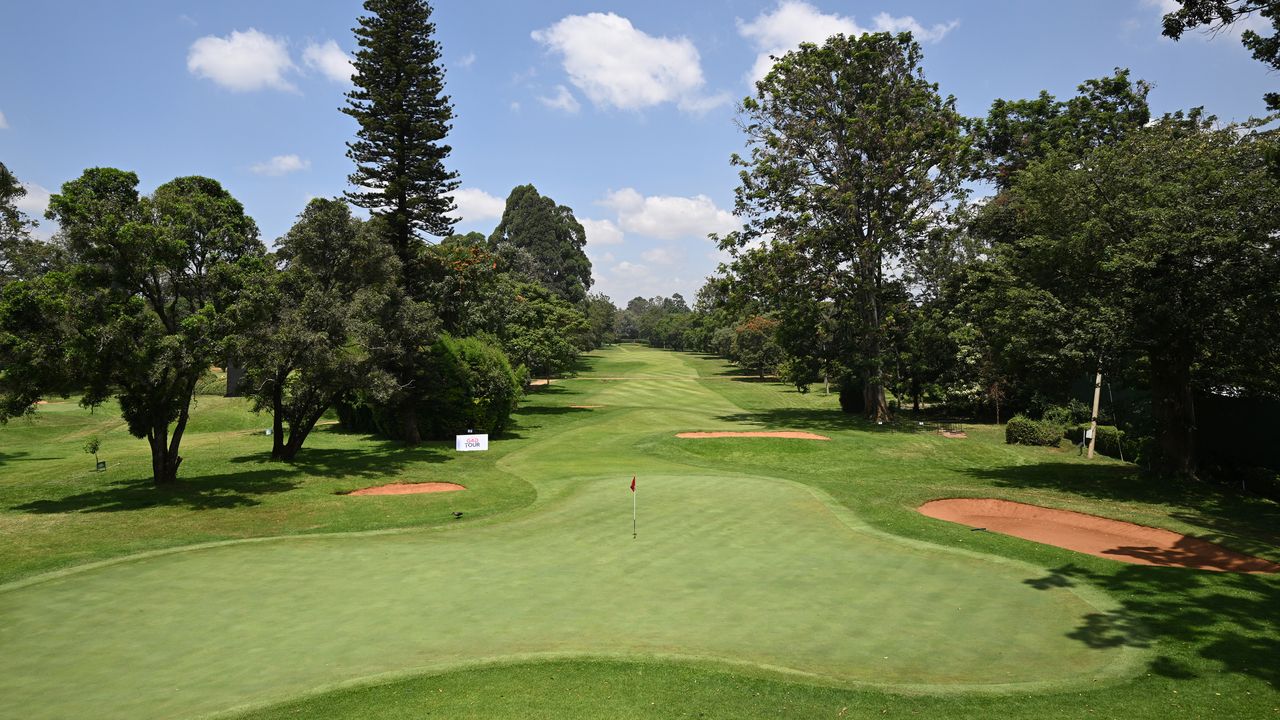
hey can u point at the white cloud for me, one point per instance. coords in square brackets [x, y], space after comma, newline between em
[474, 204]
[668, 217]
[796, 21]
[662, 256]
[280, 165]
[4, 122]
[601, 232]
[616, 65]
[35, 202]
[515, 106]
[242, 61]
[1164, 6]
[467, 60]
[562, 100]
[329, 60]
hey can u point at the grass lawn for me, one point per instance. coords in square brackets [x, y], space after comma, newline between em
[770, 578]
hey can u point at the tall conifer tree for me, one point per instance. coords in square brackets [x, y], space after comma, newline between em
[404, 116]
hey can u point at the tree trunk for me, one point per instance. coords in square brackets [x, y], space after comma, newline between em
[298, 433]
[164, 467]
[873, 402]
[277, 417]
[409, 423]
[1173, 405]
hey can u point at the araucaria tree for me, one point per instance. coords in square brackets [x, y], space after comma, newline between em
[404, 115]
[400, 176]
[854, 156]
[144, 310]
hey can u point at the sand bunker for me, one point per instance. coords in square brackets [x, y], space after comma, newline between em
[539, 382]
[952, 433]
[791, 434]
[1094, 535]
[408, 488]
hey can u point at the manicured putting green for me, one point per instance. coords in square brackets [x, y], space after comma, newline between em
[748, 571]
[740, 569]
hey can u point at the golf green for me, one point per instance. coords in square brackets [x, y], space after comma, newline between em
[742, 570]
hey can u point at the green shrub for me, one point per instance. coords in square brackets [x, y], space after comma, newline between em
[1072, 413]
[470, 386]
[1022, 430]
[1111, 441]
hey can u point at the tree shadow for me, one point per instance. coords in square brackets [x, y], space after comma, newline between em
[383, 459]
[830, 420]
[1226, 618]
[551, 410]
[1242, 522]
[204, 492]
[21, 456]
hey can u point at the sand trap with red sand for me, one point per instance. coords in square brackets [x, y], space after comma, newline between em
[408, 489]
[791, 434]
[1094, 535]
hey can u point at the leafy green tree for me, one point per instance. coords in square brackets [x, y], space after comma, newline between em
[404, 116]
[299, 351]
[1016, 133]
[544, 242]
[854, 155]
[1161, 253]
[1218, 14]
[542, 331]
[754, 345]
[22, 257]
[602, 314]
[143, 314]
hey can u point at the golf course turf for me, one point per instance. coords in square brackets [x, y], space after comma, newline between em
[768, 578]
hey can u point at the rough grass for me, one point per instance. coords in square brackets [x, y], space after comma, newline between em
[544, 499]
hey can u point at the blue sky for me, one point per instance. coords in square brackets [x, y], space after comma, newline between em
[623, 111]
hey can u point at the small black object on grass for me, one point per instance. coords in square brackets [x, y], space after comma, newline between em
[456, 514]
[977, 529]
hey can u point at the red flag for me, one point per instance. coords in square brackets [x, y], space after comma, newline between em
[633, 483]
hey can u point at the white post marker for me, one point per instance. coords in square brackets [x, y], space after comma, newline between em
[471, 443]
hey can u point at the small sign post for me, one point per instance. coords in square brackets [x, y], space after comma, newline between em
[471, 443]
[102, 465]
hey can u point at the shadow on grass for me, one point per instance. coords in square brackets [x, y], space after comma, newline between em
[21, 456]
[1241, 522]
[831, 420]
[376, 459]
[205, 492]
[1227, 619]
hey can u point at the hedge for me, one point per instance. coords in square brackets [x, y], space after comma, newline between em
[1111, 441]
[1022, 430]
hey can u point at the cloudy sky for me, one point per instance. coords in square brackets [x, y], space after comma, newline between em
[621, 110]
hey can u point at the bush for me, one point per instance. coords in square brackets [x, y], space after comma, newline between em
[1073, 413]
[1022, 430]
[470, 386]
[1111, 441]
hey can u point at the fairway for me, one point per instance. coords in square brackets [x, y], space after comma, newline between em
[744, 570]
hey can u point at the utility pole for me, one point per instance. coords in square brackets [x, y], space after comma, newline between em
[1093, 420]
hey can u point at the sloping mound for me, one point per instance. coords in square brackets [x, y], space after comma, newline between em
[1095, 535]
[792, 434]
[408, 488]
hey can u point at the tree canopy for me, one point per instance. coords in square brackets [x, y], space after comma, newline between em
[854, 156]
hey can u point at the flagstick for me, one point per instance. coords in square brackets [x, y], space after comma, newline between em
[633, 514]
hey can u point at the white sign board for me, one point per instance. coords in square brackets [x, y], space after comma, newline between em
[468, 443]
